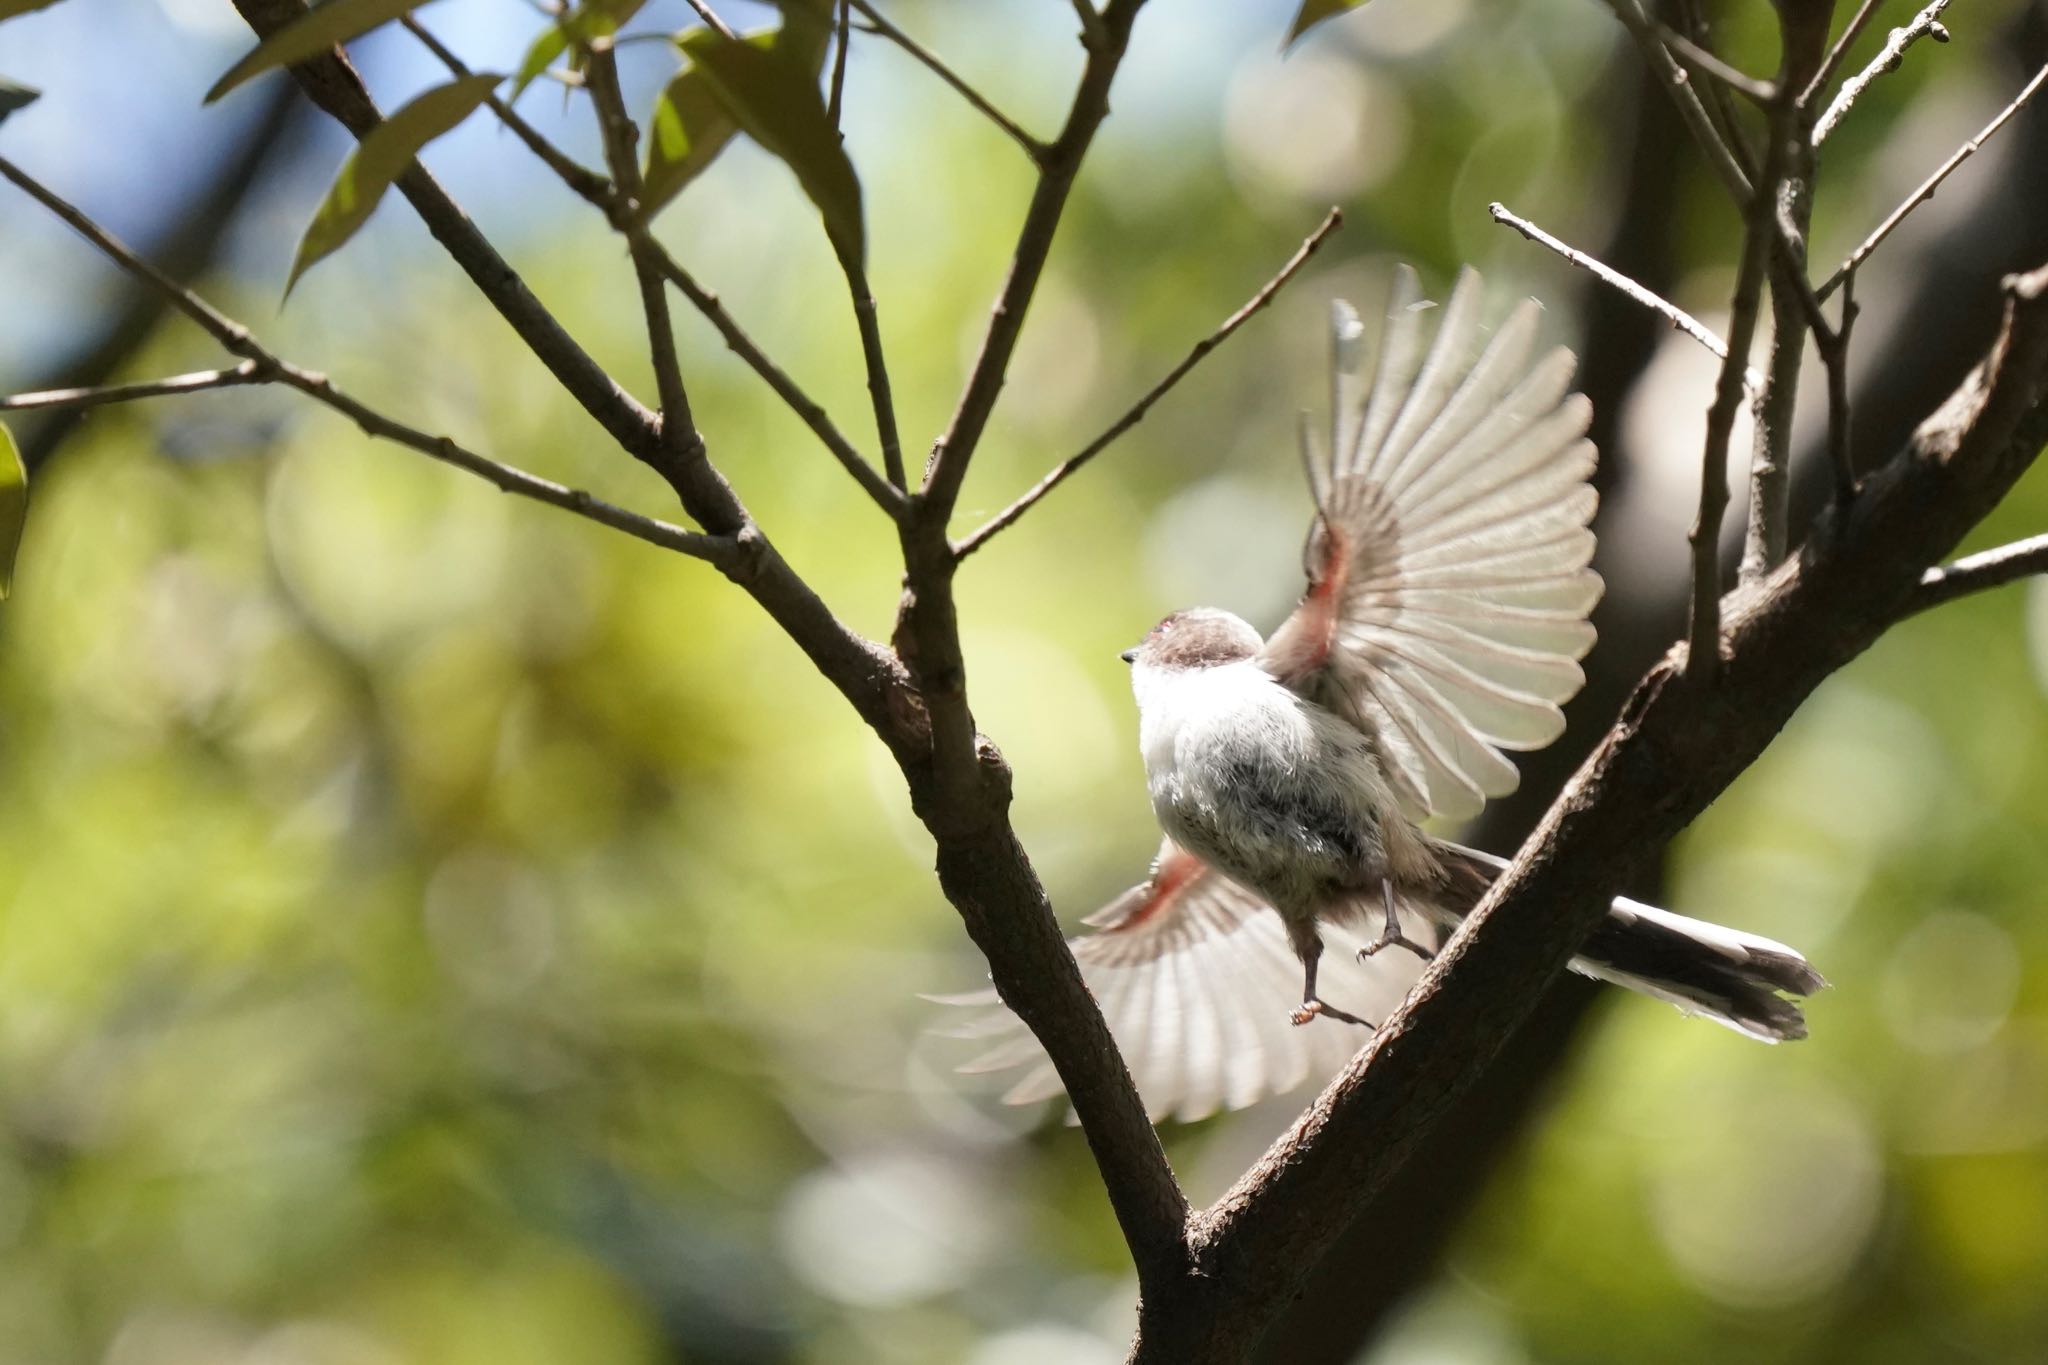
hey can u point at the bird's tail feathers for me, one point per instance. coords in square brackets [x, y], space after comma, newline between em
[1739, 980]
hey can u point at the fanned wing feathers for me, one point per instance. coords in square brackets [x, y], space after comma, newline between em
[1196, 978]
[1448, 579]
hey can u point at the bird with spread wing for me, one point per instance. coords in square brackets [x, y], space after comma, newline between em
[1448, 593]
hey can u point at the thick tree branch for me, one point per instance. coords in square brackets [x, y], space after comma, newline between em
[1672, 751]
[959, 784]
[1066, 468]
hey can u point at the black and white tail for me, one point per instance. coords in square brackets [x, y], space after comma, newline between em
[1738, 980]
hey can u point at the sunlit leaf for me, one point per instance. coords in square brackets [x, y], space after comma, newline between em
[381, 159]
[13, 506]
[10, 8]
[337, 21]
[1313, 12]
[590, 20]
[806, 31]
[776, 101]
[690, 126]
[688, 130]
[13, 97]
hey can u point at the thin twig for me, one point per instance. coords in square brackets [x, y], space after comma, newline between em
[1930, 185]
[1784, 212]
[1695, 115]
[807, 409]
[839, 65]
[711, 19]
[265, 365]
[875, 360]
[1650, 299]
[1707, 64]
[1925, 24]
[584, 181]
[1072, 464]
[1033, 148]
[1838, 53]
[602, 194]
[1704, 657]
[680, 444]
[1974, 573]
[248, 372]
[1834, 354]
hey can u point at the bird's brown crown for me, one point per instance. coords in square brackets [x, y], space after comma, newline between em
[1200, 637]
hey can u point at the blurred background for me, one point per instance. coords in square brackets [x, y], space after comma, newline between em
[433, 929]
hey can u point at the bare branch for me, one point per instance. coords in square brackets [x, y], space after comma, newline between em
[1784, 211]
[197, 382]
[1925, 24]
[876, 362]
[261, 365]
[1066, 468]
[678, 426]
[812, 414]
[712, 21]
[1033, 148]
[585, 182]
[1834, 354]
[832, 106]
[1707, 64]
[1975, 573]
[1650, 299]
[1704, 634]
[1719, 155]
[1930, 185]
[1839, 52]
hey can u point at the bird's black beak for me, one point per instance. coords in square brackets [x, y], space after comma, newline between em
[1129, 656]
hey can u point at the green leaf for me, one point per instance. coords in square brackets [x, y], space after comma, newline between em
[1313, 12]
[590, 20]
[775, 101]
[10, 8]
[382, 157]
[687, 132]
[13, 97]
[690, 126]
[13, 506]
[337, 21]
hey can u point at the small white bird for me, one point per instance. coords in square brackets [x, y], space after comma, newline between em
[1445, 614]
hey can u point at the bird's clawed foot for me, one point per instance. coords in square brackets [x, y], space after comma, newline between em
[1390, 932]
[1396, 939]
[1312, 1007]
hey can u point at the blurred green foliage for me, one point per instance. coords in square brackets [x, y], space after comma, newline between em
[435, 930]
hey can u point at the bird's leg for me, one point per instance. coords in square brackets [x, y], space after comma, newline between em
[1390, 934]
[1311, 951]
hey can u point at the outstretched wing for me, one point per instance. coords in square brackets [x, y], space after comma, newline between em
[1196, 979]
[1448, 580]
